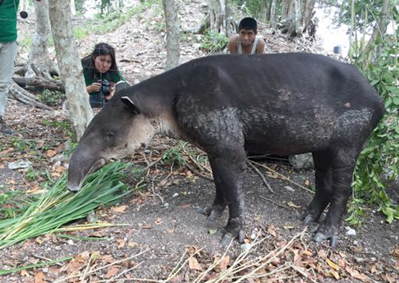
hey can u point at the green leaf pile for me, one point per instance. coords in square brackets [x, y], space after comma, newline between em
[58, 206]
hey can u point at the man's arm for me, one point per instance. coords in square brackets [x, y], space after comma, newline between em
[232, 45]
[260, 49]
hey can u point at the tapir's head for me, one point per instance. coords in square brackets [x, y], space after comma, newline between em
[115, 132]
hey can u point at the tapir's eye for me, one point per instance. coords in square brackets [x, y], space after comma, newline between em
[109, 134]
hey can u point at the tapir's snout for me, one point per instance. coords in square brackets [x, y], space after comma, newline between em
[79, 167]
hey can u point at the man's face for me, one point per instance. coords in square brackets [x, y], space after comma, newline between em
[247, 36]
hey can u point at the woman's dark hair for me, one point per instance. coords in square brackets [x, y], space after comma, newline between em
[248, 24]
[99, 49]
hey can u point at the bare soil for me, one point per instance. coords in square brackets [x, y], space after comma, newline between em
[164, 227]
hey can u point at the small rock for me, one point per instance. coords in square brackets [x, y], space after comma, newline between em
[70, 242]
[288, 188]
[245, 247]
[19, 165]
[175, 195]
[350, 231]
[166, 204]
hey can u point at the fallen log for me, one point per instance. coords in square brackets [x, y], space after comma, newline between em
[39, 83]
[24, 96]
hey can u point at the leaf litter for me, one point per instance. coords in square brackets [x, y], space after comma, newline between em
[273, 256]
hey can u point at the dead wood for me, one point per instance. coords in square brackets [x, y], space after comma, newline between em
[24, 96]
[39, 83]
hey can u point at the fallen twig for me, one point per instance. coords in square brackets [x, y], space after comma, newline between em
[282, 176]
[272, 201]
[261, 175]
[100, 268]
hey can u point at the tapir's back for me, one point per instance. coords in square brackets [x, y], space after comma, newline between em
[279, 82]
[305, 98]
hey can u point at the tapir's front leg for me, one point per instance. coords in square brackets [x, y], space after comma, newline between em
[228, 169]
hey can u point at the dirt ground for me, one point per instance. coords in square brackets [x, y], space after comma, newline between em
[164, 231]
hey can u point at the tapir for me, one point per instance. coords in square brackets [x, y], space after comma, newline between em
[229, 105]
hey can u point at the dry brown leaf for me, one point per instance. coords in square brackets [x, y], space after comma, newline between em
[293, 205]
[271, 230]
[121, 243]
[119, 209]
[193, 264]
[39, 277]
[146, 226]
[355, 274]
[51, 153]
[308, 253]
[25, 273]
[170, 231]
[322, 254]
[108, 258]
[60, 169]
[158, 221]
[332, 264]
[272, 175]
[224, 262]
[112, 271]
[342, 262]
[335, 274]
[307, 182]
[132, 244]
[4, 152]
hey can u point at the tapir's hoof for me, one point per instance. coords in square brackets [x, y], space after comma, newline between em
[213, 212]
[308, 219]
[327, 232]
[227, 238]
[319, 237]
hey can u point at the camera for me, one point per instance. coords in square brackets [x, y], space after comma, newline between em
[105, 87]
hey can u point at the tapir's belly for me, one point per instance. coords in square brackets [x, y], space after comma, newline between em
[285, 135]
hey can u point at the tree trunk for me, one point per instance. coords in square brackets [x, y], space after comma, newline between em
[217, 16]
[307, 13]
[73, 8]
[172, 34]
[71, 72]
[273, 14]
[264, 14]
[39, 55]
[379, 30]
[292, 23]
[284, 10]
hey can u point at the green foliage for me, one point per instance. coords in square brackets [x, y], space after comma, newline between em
[23, 145]
[56, 206]
[214, 42]
[14, 202]
[174, 155]
[33, 174]
[51, 98]
[80, 32]
[379, 159]
[63, 125]
[115, 19]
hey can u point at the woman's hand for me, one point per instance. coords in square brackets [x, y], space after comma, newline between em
[94, 87]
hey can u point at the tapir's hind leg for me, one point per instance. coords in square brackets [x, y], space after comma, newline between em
[343, 163]
[323, 179]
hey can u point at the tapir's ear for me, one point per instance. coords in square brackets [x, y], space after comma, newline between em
[130, 105]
